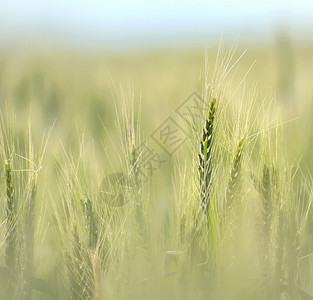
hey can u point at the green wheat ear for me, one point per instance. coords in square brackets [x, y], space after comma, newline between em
[234, 180]
[91, 223]
[205, 157]
[263, 187]
[10, 249]
[266, 201]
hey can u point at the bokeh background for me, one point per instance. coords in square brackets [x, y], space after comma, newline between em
[67, 62]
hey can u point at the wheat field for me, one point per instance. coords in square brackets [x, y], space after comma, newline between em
[157, 175]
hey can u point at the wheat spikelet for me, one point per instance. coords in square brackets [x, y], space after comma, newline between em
[134, 166]
[10, 249]
[234, 180]
[266, 200]
[137, 186]
[91, 223]
[10, 252]
[264, 188]
[205, 157]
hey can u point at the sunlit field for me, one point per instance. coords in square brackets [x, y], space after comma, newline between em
[173, 174]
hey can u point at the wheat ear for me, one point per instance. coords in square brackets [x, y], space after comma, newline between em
[91, 223]
[205, 157]
[234, 180]
[10, 249]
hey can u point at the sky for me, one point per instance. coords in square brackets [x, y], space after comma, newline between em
[118, 23]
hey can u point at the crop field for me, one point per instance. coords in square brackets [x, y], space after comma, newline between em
[178, 174]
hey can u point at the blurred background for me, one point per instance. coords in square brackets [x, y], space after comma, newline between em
[67, 62]
[121, 26]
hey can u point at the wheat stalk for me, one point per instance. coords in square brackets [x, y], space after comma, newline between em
[29, 238]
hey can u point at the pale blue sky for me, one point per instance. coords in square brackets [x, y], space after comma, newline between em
[122, 22]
